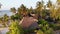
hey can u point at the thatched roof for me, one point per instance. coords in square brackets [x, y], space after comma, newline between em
[27, 22]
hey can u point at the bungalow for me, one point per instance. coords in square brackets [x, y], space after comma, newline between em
[29, 22]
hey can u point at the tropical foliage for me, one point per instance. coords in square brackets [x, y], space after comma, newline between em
[14, 28]
[48, 17]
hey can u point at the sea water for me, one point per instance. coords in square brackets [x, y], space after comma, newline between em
[8, 12]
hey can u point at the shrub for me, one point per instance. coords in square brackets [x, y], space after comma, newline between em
[45, 27]
[14, 28]
[40, 32]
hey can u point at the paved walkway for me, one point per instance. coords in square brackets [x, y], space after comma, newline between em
[3, 30]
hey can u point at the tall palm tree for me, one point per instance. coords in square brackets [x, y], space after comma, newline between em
[53, 12]
[22, 10]
[39, 8]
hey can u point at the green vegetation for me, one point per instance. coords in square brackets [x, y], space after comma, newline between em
[16, 17]
[40, 32]
[48, 19]
[44, 27]
[15, 28]
[13, 10]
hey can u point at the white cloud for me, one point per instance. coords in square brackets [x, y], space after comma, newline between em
[7, 4]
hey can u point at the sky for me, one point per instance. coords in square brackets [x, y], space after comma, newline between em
[7, 4]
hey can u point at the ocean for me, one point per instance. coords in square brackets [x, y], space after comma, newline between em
[8, 12]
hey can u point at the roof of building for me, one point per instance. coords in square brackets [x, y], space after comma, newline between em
[28, 21]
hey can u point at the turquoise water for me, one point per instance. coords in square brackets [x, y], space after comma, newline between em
[8, 12]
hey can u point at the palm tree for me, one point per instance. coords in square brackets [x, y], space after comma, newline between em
[58, 13]
[58, 3]
[49, 4]
[30, 10]
[22, 10]
[53, 12]
[39, 8]
[58, 0]
[13, 10]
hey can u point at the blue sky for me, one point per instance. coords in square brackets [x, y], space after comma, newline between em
[7, 4]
